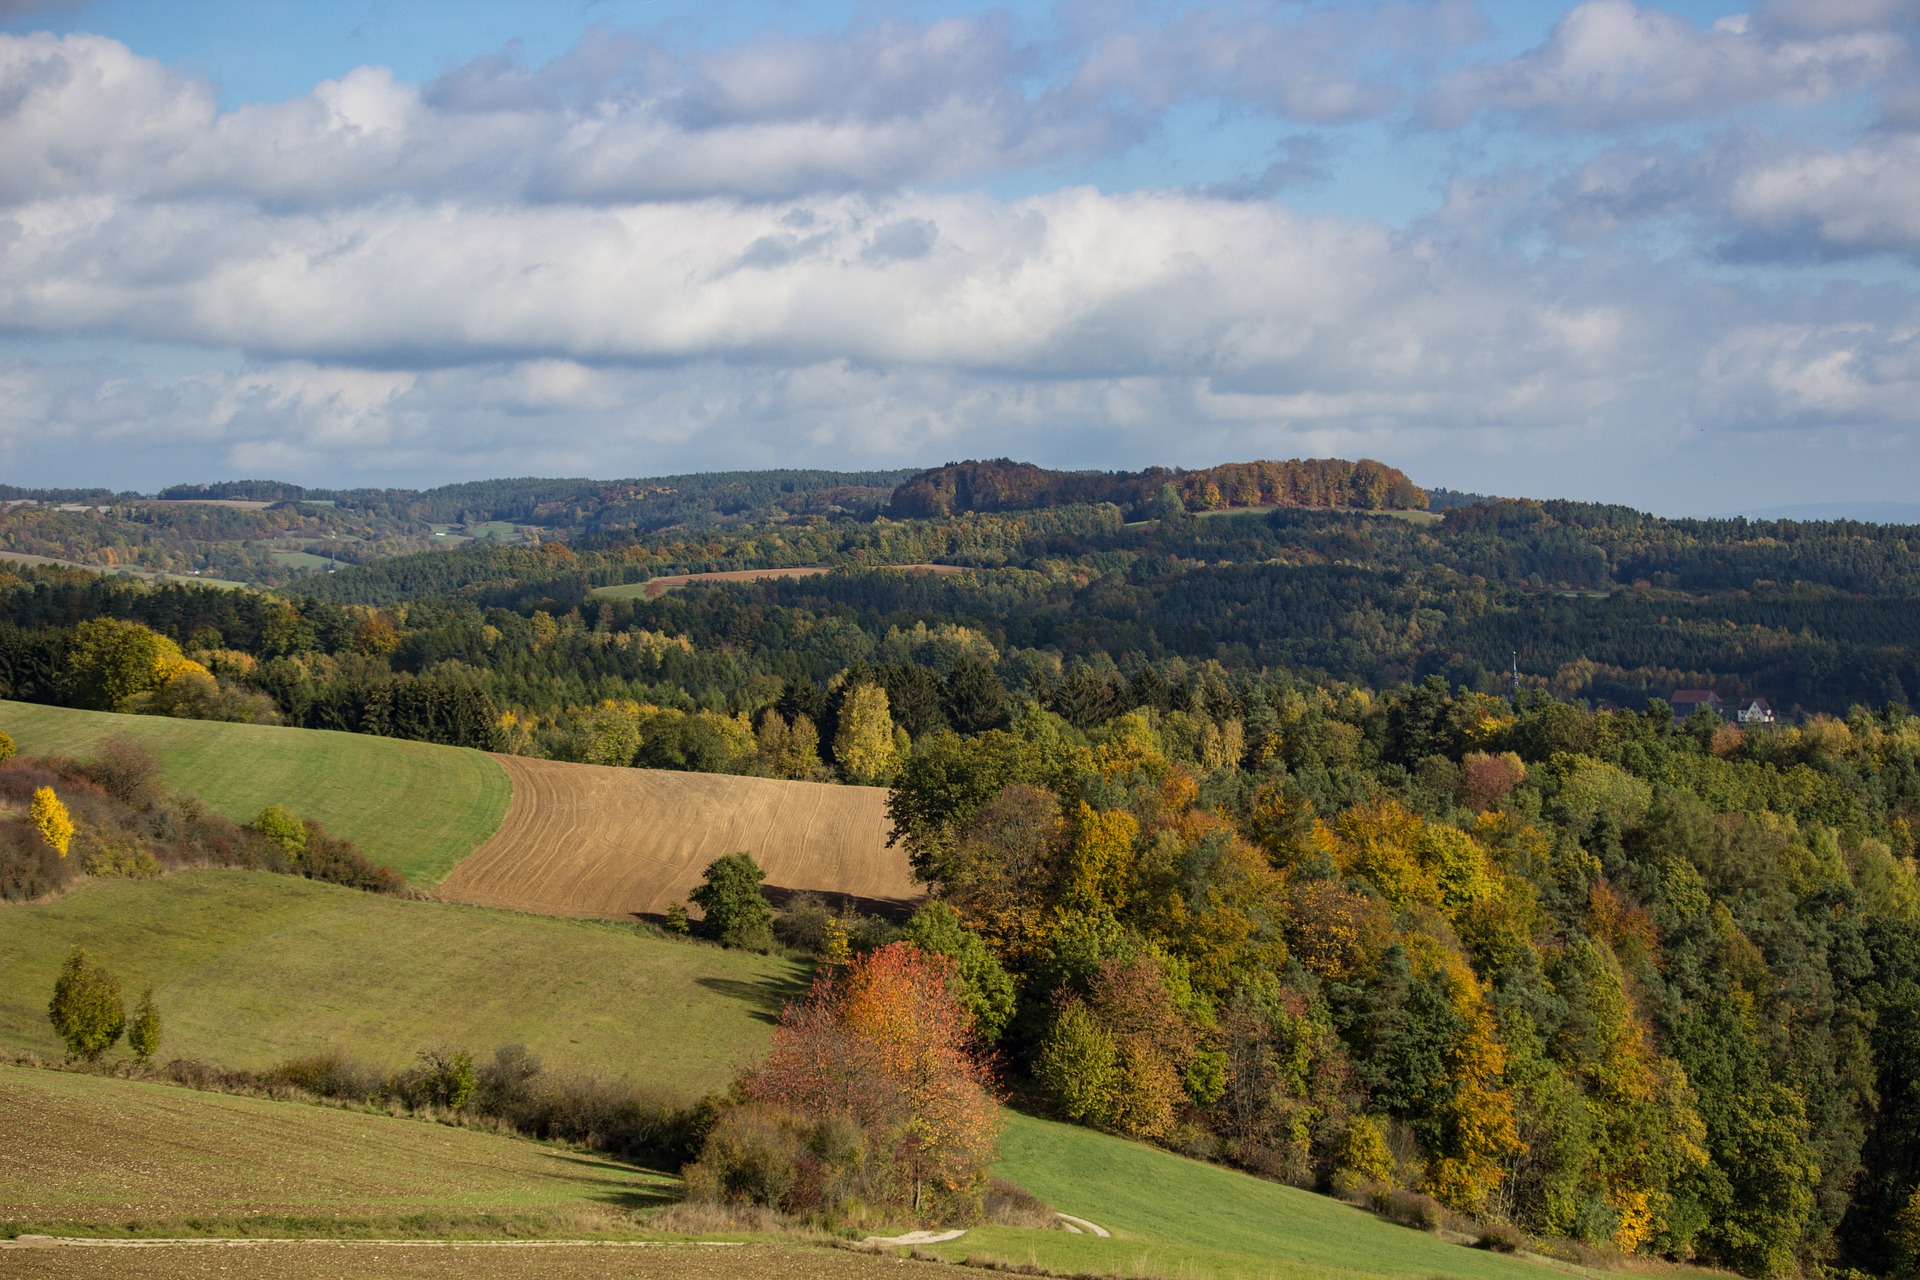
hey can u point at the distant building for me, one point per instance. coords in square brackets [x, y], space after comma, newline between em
[1752, 711]
[1688, 701]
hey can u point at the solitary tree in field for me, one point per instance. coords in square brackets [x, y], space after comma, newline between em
[55, 823]
[736, 913]
[86, 1008]
[143, 1033]
[6, 747]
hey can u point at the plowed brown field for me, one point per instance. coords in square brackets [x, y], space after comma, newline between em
[592, 840]
[654, 588]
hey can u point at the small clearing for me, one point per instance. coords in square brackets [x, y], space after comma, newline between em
[592, 840]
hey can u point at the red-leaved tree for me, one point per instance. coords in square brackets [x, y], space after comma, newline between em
[883, 1042]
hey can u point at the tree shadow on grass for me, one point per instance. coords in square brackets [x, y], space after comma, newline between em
[611, 1177]
[768, 995]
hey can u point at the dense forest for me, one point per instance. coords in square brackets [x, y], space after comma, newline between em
[1245, 837]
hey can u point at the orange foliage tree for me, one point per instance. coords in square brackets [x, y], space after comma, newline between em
[884, 1042]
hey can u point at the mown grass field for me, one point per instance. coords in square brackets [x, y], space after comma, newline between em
[413, 806]
[250, 968]
[97, 1153]
[1171, 1216]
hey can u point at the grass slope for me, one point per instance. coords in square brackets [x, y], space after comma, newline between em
[1171, 1216]
[87, 1150]
[250, 968]
[415, 807]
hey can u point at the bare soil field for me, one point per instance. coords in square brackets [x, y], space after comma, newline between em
[593, 840]
[654, 588]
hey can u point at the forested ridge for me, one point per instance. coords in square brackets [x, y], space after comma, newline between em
[1250, 845]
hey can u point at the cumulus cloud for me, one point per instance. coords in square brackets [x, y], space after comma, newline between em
[619, 119]
[1612, 64]
[1752, 198]
[637, 259]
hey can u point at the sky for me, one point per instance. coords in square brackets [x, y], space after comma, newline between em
[1663, 255]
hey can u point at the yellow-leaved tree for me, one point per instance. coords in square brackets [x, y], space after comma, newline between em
[55, 823]
[864, 747]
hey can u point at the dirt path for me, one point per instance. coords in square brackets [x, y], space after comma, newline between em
[590, 840]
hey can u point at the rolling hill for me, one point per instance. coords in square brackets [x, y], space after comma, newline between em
[412, 806]
[251, 968]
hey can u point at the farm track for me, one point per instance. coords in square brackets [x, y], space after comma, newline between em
[596, 841]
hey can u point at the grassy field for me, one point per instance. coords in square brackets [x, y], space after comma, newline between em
[591, 840]
[500, 1260]
[249, 968]
[103, 1152]
[415, 807]
[1176, 1217]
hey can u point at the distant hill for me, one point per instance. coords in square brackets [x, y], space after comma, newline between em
[1005, 485]
[1866, 512]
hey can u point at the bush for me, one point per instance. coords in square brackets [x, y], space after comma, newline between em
[327, 1075]
[814, 1167]
[1501, 1237]
[804, 924]
[51, 819]
[1409, 1208]
[736, 914]
[143, 1033]
[126, 771]
[281, 827]
[86, 1009]
[29, 867]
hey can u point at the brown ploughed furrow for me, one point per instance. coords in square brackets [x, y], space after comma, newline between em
[589, 840]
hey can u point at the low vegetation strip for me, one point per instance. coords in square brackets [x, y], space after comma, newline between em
[1170, 1216]
[412, 806]
[590, 840]
[94, 1150]
[253, 968]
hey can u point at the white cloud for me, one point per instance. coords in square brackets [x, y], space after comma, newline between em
[1612, 64]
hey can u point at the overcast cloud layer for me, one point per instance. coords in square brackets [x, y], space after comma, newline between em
[1656, 261]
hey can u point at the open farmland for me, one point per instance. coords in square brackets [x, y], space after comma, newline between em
[497, 1260]
[592, 840]
[654, 588]
[251, 968]
[1171, 1216]
[412, 806]
[91, 1150]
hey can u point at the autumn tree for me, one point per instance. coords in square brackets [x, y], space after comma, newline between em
[86, 1009]
[51, 819]
[883, 1041]
[281, 827]
[864, 747]
[111, 659]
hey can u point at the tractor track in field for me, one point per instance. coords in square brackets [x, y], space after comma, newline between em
[597, 841]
